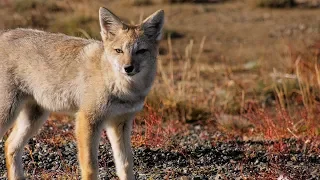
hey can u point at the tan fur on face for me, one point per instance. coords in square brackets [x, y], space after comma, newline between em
[124, 40]
[59, 73]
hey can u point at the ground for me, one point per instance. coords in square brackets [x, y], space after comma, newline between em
[236, 95]
[196, 158]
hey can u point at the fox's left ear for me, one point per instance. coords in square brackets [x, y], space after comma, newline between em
[152, 26]
[110, 24]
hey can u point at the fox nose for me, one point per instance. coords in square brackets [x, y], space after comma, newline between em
[128, 68]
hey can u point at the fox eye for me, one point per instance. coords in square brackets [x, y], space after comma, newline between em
[118, 50]
[141, 51]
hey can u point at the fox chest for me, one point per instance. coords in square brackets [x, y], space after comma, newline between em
[117, 106]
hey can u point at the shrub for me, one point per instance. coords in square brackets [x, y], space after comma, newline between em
[24, 5]
[276, 3]
[141, 2]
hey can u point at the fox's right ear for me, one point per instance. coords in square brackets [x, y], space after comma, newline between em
[110, 24]
[152, 26]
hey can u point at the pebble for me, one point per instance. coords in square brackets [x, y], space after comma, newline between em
[224, 160]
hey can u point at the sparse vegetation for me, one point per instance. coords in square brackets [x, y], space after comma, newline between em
[140, 2]
[48, 5]
[276, 3]
[236, 73]
[193, 1]
[76, 25]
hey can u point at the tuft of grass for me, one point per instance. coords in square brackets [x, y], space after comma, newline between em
[150, 130]
[137, 2]
[237, 124]
[77, 25]
[34, 13]
[175, 109]
[275, 3]
[278, 123]
[141, 2]
[290, 104]
[172, 34]
[25, 5]
[193, 1]
[178, 84]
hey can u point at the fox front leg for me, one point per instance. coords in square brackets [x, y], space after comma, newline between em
[119, 133]
[88, 135]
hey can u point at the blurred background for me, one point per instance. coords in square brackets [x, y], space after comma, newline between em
[247, 68]
[237, 91]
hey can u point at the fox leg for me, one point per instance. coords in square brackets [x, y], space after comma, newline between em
[119, 133]
[29, 121]
[88, 133]
[11, 103]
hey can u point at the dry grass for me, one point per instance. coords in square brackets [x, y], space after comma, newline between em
[150, 130]
[179, 84]
[275, 3]
[241, 76]
[218, 73]
[50, 5]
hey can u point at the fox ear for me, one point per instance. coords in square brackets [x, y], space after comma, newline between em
[109, 23]
[152, 26]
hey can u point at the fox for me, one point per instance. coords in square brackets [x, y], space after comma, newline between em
[104, 83]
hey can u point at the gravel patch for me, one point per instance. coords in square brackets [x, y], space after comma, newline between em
[189, 157]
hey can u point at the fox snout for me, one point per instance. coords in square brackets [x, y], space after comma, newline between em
[128, 69]
[131, 69]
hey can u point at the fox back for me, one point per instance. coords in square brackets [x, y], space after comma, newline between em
[103, 82]
[57, 70]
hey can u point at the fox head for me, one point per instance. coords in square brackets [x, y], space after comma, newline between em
[131, 49]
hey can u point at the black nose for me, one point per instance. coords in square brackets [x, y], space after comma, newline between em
[128, 68]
